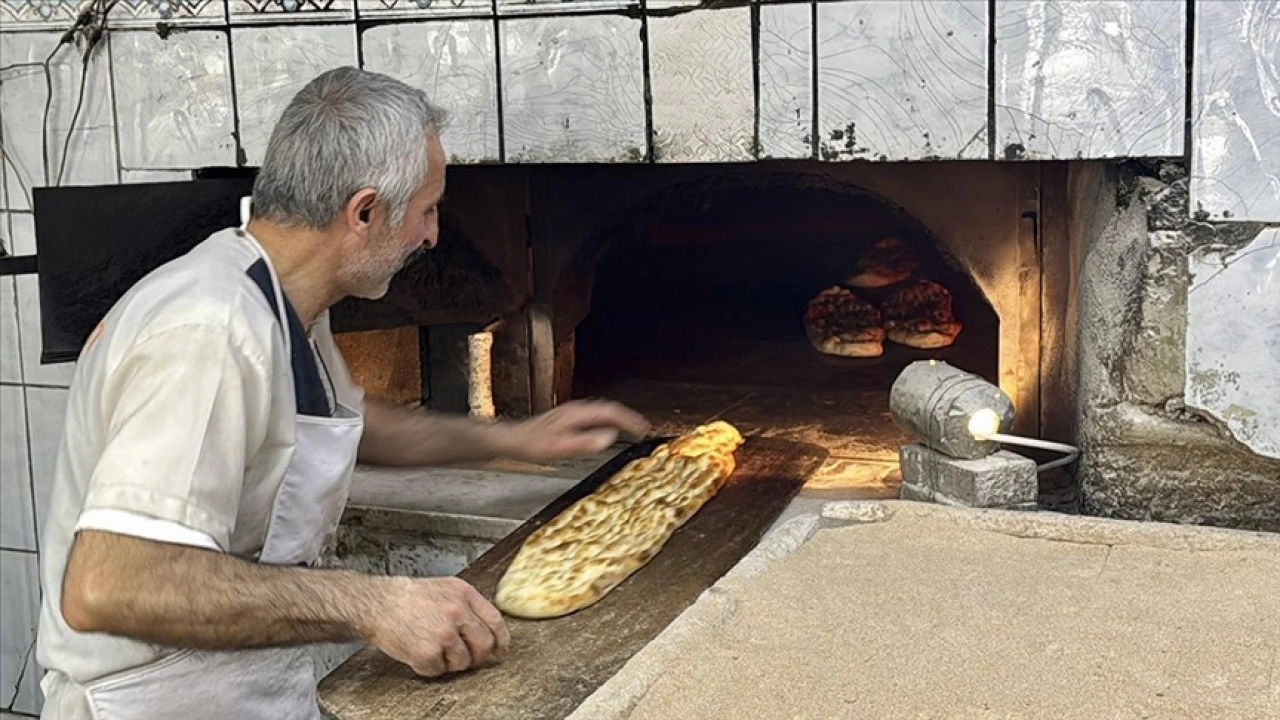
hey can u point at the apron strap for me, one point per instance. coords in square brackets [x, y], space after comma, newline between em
[310, 392]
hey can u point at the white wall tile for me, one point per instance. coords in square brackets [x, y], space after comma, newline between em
[4, 176]
[273, 64]
[59, 374]
[46, 419]
[786, 81]
[1233, 340]
[701, 76]
[154, 176]
[1090, 79]
[91, 156]
[173, 99]
[10, 356]
[902, 79]
[1235, 110]
[28, 290]
[454, 62]
[20, 598]
[22, 233]
[17, 519]
[573, 89]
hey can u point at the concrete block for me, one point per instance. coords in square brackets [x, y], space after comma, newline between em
[1000, 480]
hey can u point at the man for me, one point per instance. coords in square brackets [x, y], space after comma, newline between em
[212, 429]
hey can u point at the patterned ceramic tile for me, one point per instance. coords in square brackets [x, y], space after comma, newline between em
[454, 62]
[36, 14]
[147, 13]
[10, 357]
[20, 598]
[173, 99]
[46, 418]
[17, 518]
[424, 8]
[518, 7]
[573, 89]
[278, 11]
[91, 155]
[701, 77]
[902, 79]
[1233, 340]
[28, 288]
[1095, 79]
[283, 60]
[786, 81]
[1235, 110]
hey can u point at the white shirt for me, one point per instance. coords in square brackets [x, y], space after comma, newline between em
[179, 427]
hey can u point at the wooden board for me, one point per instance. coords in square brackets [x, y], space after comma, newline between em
[555, 664]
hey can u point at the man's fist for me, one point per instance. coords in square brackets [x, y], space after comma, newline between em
[438, 626]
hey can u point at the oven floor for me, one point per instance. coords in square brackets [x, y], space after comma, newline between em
[771, 383]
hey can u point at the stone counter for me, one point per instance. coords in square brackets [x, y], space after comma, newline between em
[904, 609]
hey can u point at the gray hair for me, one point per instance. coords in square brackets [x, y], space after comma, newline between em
[347, 130]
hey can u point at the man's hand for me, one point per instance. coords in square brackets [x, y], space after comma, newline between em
[398, 436]
[572, 429]
[438, 626]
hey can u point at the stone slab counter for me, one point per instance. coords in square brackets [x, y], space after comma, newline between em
[899, 609]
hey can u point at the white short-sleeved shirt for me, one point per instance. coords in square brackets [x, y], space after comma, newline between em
[179, 427]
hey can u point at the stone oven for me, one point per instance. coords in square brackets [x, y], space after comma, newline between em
[681, 290]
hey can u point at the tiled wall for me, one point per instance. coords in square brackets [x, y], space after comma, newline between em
[676, 81]
[32, 402]
[180, 84]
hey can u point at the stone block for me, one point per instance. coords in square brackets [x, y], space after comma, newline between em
[1000, 480]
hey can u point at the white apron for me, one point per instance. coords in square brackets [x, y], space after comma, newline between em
[268, 683]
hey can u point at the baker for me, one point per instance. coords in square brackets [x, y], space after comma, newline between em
[212, 429]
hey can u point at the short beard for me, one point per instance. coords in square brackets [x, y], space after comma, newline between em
[370, 275]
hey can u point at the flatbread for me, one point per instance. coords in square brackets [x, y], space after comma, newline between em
[838, 322]
[919, 315]
[586, 551]
[888, 262]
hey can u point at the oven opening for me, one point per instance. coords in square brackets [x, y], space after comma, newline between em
[699, 303]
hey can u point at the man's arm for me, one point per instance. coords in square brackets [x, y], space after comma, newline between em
[399, 436]
[188, 597]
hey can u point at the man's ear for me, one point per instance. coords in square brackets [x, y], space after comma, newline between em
[358, 212]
